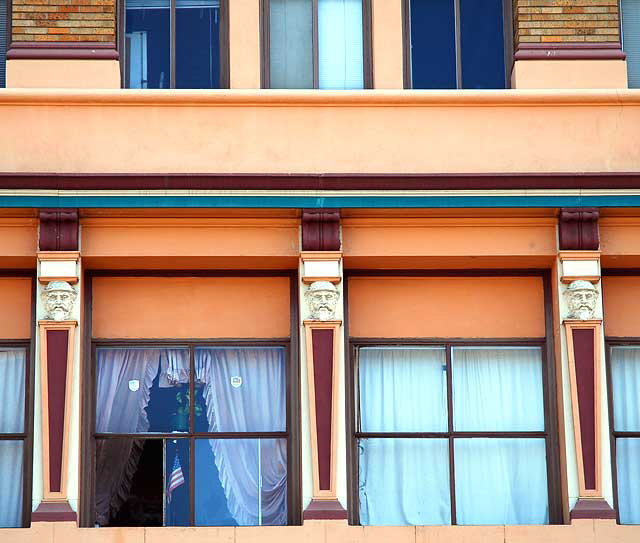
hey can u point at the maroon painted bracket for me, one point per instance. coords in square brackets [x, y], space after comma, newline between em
[320, 230]
[579, 229]
[58, 230]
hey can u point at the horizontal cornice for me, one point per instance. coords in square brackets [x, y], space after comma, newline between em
[286, 98]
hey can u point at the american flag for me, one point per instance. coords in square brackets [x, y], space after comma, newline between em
[175, 479]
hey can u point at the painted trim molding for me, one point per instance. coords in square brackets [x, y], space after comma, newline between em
[63, 51]
[569, 51]
[56, 371]
[322, 349]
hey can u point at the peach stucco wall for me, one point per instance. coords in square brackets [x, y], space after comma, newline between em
[569, 74]
[15, 317]
[448, 242]
[188, 307]
[387, 44]
[18, 242]
[581, 531]
[621, 298]
[447, 307]
[190, 242]
[244, 37]
[305, 131]
[63, 74]
[620, 241]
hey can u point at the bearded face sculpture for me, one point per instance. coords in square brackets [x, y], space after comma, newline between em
[582, 297]
[58, 298]
[322, 299]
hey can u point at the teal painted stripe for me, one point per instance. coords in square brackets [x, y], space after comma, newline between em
[318, 202]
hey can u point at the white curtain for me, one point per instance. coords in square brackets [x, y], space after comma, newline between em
[340, 44]
[628, 466]
[497, 389]
[11, 464]
[404, 481]
[501, 481]
[245, 391]
[403, 389]
[625, 376]
[123, 383]
[12, 390]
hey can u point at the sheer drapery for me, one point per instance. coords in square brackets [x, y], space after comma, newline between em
[11, 468]
[625, 376]
[12, 389]
[497, 389]
[123, 383]
[501, 481]
[245, 392]
[404, 481]
[340, 44]
[403, 389]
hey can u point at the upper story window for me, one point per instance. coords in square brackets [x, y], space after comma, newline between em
[4, 40]
[316, 44]
[194, 434]
[624, 363]
[630, 13]
[179, 44]
[456, 44]
[451, 433]
[13, 435]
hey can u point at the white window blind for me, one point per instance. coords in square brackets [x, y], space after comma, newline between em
[291, 44]
[340, 47]
[631, 39]
[3, 42]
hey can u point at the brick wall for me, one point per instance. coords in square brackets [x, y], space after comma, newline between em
[577, 21]
[63, 20]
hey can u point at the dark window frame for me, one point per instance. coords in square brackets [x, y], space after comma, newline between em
[507, 17]
[26, 436]
[265, 45]
[88, 379]
[224, 43]
[556, 496]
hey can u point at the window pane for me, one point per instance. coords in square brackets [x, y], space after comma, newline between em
[482, 44]
[403, 389]
[12, 388]
[340, 44]
[291, 44]
[433, 45]
[625, 373]
[142, 482]
[142, 390]
[497, 389]
[3, 41]
[501, 481]
[11, 463]
[628, 466]
[631, 39]
[241, 482]
[244, 389]
[404, 481]
[147, 50]
[197, 44]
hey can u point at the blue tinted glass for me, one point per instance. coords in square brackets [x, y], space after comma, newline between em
[176, 488]
[433, 48]
[197, 44]
[482, 44]
[147, 45]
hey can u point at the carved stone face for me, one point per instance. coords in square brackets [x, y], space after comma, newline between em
[582, 297]
[58, 298]
[322, 299]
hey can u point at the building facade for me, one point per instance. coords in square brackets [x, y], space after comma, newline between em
[321, 270]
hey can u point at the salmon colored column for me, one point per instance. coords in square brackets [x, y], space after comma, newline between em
[58, 312]
[387, 38]
[581, 312]
[244, 44]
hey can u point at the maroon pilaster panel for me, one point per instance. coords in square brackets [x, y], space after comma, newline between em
[320, 230]
[583, 348]
[323, 388]
[57, 345]
[58, 230]
[579, 229]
